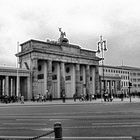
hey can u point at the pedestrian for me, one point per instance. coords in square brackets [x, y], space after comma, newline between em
[42, 98]
[90, 97]
[37, 97]
[22, 99]
[121, 96]
[63, 95]
[51, 97]
[74, 97]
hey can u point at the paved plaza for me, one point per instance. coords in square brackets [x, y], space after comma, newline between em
[71, 101]
[80, 120]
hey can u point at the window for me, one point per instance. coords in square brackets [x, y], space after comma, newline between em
[135, 85]
[39, 68]
[134, 74]
[90, 78]
[54, 77]
[68, 78]
[67, 70]
[40, 76]
[139, 85]
[138, 74]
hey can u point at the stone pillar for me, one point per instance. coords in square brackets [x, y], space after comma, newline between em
[110, 86]
[77, 75]
[87, 79]
[1, 86]
[18, 84]
[49, 77]
[58, 80]
[7, 85]
[97, 81]
[45, 79]
[73, 73]
[34, 77]
[29, 95]
[84, 79]
[14, 86]
[62, 78]
[93, 80]
[115, 88]
[11, 86]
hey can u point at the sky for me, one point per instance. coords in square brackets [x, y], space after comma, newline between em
[118, 21]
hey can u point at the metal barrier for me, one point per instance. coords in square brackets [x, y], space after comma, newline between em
[57, 133]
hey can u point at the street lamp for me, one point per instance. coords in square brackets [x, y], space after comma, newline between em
[102, 48]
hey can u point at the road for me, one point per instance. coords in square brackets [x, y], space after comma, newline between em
[79, 121]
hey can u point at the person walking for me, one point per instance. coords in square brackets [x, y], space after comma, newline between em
[63, 95]
[22, 99]
[74, 97]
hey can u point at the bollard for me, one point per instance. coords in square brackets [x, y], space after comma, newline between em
[58, 131]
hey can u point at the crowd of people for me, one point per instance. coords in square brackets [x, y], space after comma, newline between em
[84, 97]
[48, 97]
[9, 99]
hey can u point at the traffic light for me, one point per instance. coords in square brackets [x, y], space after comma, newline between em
[130, 84]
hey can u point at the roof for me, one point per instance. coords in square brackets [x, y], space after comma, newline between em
[121, 67]
[51, 43]
[11, 68]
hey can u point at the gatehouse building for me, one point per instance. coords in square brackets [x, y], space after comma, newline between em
[57, 66]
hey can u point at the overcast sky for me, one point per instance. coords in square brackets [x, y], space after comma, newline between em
[118, 21]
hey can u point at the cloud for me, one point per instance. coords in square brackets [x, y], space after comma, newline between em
[83, 21]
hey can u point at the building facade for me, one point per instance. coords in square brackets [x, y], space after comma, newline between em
[59, 66]
[117, 78]
[14, 82]
[134, 78]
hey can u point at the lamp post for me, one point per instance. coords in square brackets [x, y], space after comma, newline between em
[102, 48]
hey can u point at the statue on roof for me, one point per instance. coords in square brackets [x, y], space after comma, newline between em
[62, 34]
[62, 38]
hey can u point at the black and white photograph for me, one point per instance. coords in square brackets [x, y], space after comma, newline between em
[69, 70]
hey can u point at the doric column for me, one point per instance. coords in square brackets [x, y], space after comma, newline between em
[11, 86]
[1, 86]
[29, 95]
[97, 81]
[14, 86]
[49, 77]
[62, 78]
[93, 79]
[7, 85]
[73, 82]
[45, 79]
[77, 75]
[115, 88]
[110, 86]
[87, 79]
[17, 84]
[34, 77]
[58, 80]
[106, 85]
